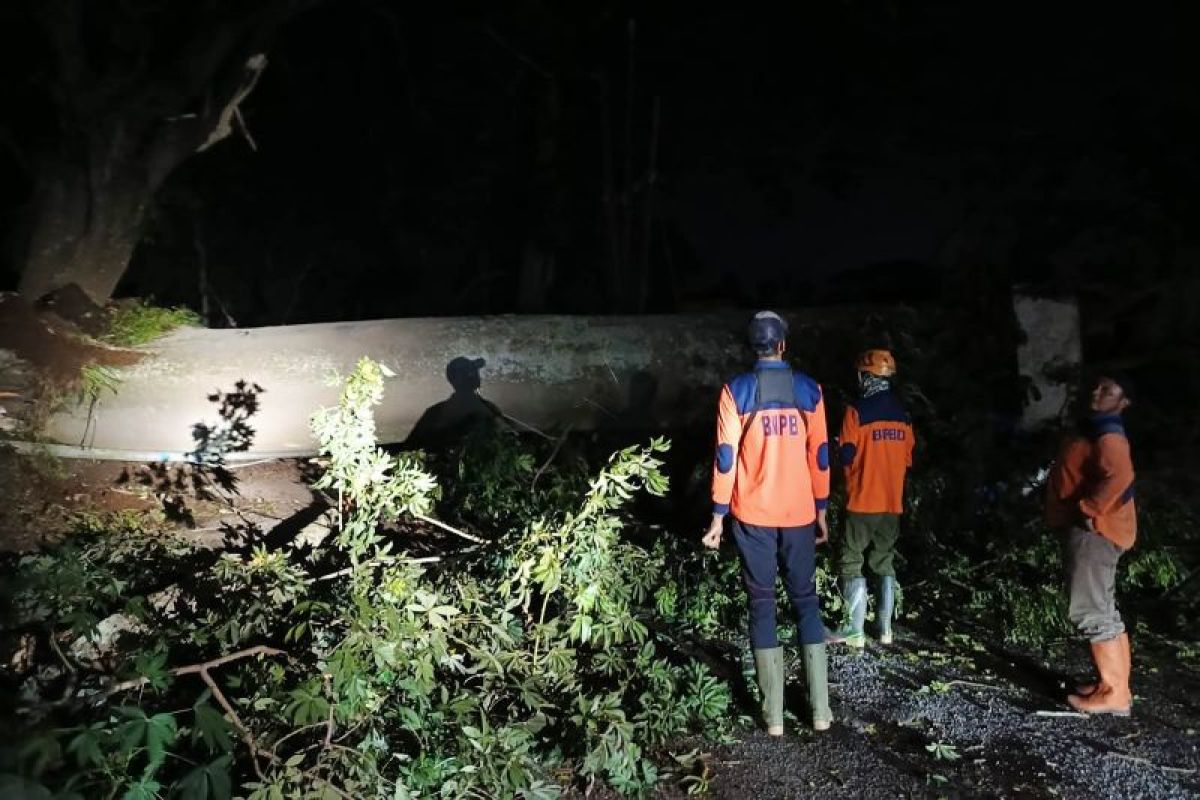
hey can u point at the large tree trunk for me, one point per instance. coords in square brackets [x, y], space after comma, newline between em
[125, 123]
[84, 221]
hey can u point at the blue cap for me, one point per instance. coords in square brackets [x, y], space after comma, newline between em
[767, 330]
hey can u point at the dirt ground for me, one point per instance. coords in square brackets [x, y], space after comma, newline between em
[39, 494]
[926, 717]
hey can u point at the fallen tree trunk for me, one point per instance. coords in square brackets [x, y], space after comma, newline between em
[541, 372]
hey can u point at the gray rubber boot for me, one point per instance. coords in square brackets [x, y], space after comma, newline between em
[768, 664]
[887, 606]
[854, 592]
[815, 672]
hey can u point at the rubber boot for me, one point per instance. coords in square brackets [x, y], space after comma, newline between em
[1112, 695]
[854, 592]
[768, 664]
[1086, 689]
[887, 606]
[816, 673]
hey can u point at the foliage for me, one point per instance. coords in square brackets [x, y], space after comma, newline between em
[136, 322]
[105, 564]
[498, 482]
[371, 486]
[556, 646]
[942, 751]
[500, 670]
[95, 380]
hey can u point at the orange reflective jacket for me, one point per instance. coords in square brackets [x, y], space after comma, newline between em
[772, 461]
[1092, 478]
[876, 451]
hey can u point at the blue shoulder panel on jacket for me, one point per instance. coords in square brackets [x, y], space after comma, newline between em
[742, 388]
[881, 407]
[808, 392]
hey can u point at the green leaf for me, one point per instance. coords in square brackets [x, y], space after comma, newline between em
[153, 667]
[154, 733]
[85, 746]
[208, 782]
[581, 628]
[211, 727]
[307, 706]
[145, 789]
[161, 732]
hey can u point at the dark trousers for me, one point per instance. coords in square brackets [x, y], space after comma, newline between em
[877, 531]
[767, 552]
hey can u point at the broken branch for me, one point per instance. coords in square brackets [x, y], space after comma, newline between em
[253, 69]
[247, 737]
[451, 529]
[550, 460]
[202, 667]
[972, 684]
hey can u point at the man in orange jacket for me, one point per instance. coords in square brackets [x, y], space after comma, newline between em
[771, 474]
[1089, 500]
[876, 449]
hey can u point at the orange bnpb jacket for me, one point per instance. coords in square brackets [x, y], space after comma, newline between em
[1092, 478]
[876, 450]
[772, 461]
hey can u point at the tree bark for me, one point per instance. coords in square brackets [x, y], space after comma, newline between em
[123, 129]
[85, 221]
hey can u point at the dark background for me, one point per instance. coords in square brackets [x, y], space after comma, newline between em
[450, 158]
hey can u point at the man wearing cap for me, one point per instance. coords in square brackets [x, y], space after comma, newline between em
[876, 449]
[1089, 500]
[771, 475]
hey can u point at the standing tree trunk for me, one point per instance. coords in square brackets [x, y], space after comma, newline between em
[125, 123]
[84, 224]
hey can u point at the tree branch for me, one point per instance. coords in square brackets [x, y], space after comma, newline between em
[223, 124]
[449, 528]
[550, 459]
[247, 737]
[192, 669]
[255, 749]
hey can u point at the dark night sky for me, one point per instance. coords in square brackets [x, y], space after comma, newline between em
[409, 154]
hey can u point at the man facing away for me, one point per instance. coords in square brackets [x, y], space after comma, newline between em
[771, 474]
[876, 452]
[1089, 500]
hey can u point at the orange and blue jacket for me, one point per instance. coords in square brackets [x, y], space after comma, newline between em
[772, 461]
[876, 450]
[1092, 478]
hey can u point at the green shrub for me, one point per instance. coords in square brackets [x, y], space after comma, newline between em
[137, 322]
[358, 671]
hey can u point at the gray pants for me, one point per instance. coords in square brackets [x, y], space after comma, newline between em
[1091, 563]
